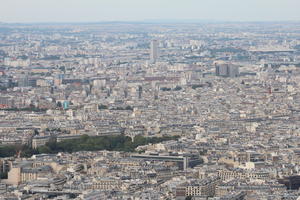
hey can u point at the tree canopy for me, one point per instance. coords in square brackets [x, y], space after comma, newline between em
[85, 143]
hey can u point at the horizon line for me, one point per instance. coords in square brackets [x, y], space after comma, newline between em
[155, 21]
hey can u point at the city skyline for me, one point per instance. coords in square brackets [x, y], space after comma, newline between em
[159, 99]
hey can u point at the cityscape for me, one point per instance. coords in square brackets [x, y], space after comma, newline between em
[148, 110]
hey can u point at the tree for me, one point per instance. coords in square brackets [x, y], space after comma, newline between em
[44, 149]
[139, 140]
[52, 144]
[165, 89]
[128, 108]
[59, 104]
[36, 132]
[27, 152]
[102, 107]
[177, 88]
[84, 143]
[84, 138]
[7, 151]
[188, 198]
[3, 175]
[197, 86]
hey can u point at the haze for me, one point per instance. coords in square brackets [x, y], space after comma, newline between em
[138, 10]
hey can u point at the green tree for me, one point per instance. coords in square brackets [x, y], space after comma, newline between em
[128, 108]
[43, 149]
[59, 104]
[188, 198]
[102, 107]
[84, 138]
[165, 89]
[3, 175]
[7, 151]
[177, 88]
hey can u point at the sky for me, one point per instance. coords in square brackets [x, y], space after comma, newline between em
[26, 11]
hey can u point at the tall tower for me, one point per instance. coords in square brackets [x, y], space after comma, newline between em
[23, 81]
[140, 91]
[227, 70]
[153, 51]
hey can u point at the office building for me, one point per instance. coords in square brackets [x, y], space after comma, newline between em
[227, 70]
[154, 51]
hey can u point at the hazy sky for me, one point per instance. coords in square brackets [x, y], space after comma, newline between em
[137, 10]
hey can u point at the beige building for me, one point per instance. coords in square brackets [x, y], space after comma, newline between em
[18, 175]
[103, 184]
[205, 187]
[40, 141]
[242, 174]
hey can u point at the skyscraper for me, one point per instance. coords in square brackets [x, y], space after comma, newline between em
[227, 70]
[140, 91]
[154, 51]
